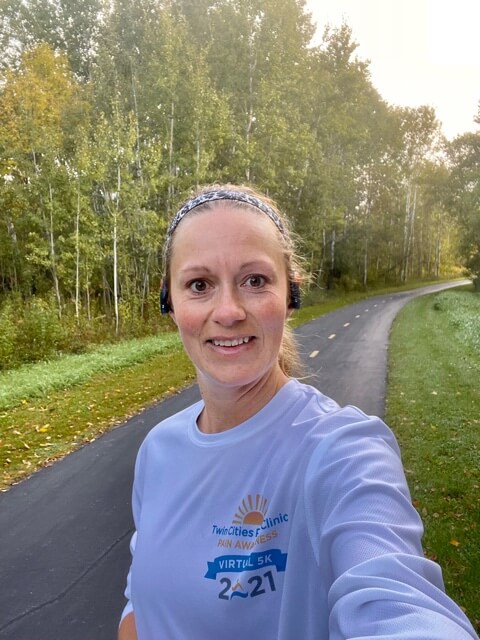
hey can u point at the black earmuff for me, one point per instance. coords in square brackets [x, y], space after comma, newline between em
[164, 303]
[294, 295]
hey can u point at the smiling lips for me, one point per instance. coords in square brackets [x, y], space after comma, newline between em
[231, 343]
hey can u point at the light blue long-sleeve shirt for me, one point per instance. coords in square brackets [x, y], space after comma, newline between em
[295, 525]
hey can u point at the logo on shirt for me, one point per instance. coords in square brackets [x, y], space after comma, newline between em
[252, 562]
[252, 525]
[251, 510]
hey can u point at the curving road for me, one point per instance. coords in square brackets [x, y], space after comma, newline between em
[65, 531]
[352, 345]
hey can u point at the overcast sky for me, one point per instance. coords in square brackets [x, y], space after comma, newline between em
[421, 52]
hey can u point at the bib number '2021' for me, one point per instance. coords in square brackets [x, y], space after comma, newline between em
[259, 584]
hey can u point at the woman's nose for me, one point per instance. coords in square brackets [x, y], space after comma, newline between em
[228, 307]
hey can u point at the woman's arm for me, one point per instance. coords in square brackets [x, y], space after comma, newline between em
[367, 535]
[127, 629]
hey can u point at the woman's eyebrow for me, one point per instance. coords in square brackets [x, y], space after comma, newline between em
[195, 268]
[257, 263]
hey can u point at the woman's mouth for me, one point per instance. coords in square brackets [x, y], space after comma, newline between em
[234, 342]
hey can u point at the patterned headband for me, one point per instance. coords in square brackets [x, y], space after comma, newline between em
[238, 196]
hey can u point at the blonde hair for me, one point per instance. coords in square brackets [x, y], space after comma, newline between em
[288, 358]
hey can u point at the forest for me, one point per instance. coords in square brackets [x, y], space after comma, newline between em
[112, 111]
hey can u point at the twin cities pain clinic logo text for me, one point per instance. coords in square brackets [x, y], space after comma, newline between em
[249, 574]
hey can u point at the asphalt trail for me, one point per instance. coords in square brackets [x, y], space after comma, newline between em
[65, 531]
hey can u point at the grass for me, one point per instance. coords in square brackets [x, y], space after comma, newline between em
[433, 406]
[40, 430]
[34, 381]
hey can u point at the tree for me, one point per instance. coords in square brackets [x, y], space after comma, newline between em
[68, 26]
[419, 130]
[151, 66]
[110, 112]
[465, 199]
[344, 113]
[40, 107]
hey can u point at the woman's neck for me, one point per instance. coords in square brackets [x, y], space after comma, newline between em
[227, 407]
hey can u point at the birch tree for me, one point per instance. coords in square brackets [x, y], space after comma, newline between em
[418, 128]
[39, 107]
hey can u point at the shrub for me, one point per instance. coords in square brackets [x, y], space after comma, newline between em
[40, 333]
[8, 333]
[31, 331]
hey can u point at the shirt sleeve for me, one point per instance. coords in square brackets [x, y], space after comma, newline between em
[137, 493]
[366, 537]
[129, 606]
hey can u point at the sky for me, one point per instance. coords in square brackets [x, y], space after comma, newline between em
[421, 52]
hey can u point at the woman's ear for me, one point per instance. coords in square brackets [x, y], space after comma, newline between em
[294, 290]
[164, 302]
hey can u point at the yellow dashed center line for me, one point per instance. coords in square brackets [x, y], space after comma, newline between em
[314, 354]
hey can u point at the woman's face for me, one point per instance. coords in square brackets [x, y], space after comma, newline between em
[229, 293]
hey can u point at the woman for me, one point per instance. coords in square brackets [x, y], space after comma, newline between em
[266, 510]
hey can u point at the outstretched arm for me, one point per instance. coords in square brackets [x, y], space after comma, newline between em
[364, 528]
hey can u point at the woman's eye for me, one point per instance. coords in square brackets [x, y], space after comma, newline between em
[198, 286]
[256, 281]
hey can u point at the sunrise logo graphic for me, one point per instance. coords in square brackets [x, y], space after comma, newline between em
[251, 510]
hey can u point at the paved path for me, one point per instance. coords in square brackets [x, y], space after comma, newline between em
[65, 531]
[352, 345]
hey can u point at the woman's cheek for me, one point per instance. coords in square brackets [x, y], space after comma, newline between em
[274, 313]
[188, 322]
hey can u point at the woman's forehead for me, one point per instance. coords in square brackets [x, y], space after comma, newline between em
[238, 234]
[223, 219]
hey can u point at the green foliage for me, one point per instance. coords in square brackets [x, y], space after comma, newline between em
[29, 332]
[8, 334]
[464, 201]
[111, 112]
[40, 333]
[70, 26]
[33, 331]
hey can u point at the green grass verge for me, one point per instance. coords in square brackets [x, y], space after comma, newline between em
[36, 380]
[433, 406]
[41, 430]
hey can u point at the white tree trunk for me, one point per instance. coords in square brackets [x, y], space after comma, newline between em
[53, 259]
[138, 156]
[171, 168]
[77, 256]
[115, 251]
[365, 264]
[408, 229]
